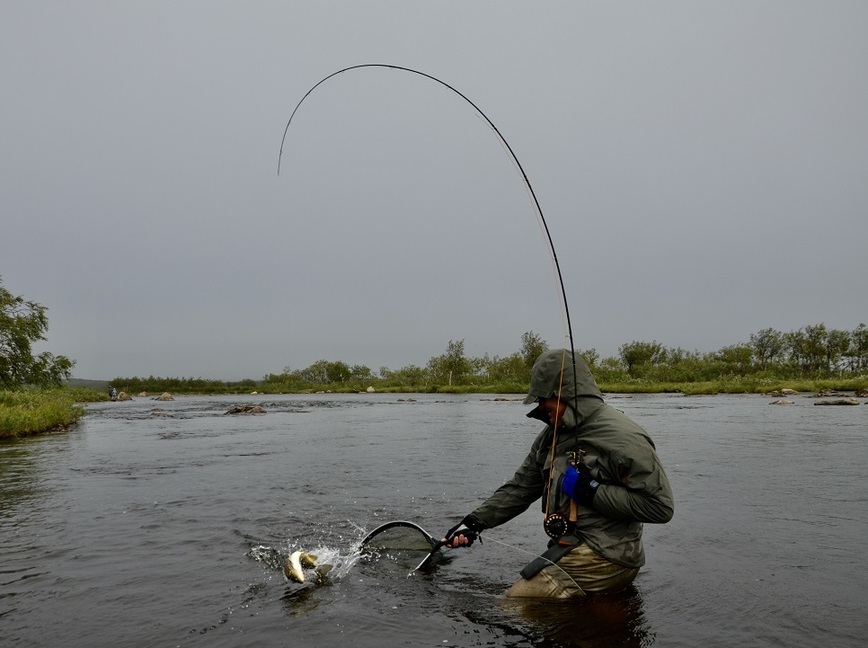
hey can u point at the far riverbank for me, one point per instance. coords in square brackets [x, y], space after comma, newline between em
[38, 411]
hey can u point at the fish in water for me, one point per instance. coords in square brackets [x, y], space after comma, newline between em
[293, 568]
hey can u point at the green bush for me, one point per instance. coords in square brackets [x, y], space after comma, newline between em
[32, 411]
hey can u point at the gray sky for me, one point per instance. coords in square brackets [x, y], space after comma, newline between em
[703, 168]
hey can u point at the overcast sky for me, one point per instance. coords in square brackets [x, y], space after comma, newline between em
[702, 166]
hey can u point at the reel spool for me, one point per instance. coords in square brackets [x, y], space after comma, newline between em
[556, 525]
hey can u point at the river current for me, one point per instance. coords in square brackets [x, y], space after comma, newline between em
[166, 523]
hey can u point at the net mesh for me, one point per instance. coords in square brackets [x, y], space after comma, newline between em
[399, 537]
[400, 546]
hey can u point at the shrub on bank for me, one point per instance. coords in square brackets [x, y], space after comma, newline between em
[33, 411]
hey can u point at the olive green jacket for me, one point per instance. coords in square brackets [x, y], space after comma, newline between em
[634, 486]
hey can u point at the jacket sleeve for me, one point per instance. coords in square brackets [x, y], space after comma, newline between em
[643, 494]
[516, 495]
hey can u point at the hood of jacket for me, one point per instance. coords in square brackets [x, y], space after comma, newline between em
[565, 375]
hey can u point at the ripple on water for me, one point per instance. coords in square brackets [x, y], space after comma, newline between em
[174, 527]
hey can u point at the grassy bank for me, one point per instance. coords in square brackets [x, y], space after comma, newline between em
[741, 385]
[620, 385]
[734, 385]
[34, 411]
[730, 385]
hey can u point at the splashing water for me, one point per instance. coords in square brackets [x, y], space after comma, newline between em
[332, 563]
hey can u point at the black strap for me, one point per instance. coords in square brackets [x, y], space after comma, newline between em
[549, 556]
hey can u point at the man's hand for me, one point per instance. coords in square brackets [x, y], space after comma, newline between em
[579, 484]
[464, 533]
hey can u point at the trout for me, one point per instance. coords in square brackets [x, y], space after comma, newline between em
[293, 568]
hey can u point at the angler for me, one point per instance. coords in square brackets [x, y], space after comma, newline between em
[596, 470]
[599, 478]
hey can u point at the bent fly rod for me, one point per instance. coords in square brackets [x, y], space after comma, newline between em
[566, 309]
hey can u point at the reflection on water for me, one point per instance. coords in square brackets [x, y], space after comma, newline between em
[17, 476]
[596, 622]
[169, 525]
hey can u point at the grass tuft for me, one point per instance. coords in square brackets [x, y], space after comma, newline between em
[33, 411]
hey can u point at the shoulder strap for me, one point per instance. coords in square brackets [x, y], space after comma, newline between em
[549, 557]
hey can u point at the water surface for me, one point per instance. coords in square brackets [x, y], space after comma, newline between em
[164, 524]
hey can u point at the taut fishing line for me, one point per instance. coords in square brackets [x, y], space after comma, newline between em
[542, 220]
[504, 143]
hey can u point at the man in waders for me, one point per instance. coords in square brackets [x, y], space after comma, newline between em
[599, 477]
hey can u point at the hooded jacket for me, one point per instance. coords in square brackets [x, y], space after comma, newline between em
[634, 487]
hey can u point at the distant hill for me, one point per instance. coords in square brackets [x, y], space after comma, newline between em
[99, 385]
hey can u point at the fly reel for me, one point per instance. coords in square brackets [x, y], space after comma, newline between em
[556, 525]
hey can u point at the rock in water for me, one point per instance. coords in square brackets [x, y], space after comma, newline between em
[246, 409]
[839, 401]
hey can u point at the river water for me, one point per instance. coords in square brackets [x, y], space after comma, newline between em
[165, 524]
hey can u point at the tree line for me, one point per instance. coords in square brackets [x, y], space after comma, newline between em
[450, 369]
[810, 353]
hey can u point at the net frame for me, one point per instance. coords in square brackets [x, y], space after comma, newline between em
[434, 545]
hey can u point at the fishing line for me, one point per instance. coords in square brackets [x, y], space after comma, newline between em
[565, 310]
[488, 538]
[503, 142]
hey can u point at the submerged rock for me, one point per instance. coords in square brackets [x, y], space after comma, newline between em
[246, 409]
[838, 401]
[782, 401]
